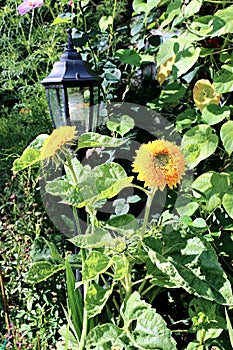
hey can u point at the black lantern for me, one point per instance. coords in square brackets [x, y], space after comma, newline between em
[73, 91]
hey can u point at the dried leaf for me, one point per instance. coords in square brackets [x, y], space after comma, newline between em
[204, 94]
[165, 69]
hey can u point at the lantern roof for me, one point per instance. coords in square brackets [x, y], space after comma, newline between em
[71, 70]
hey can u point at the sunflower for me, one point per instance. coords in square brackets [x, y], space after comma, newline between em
[58, 143]
[159, 163]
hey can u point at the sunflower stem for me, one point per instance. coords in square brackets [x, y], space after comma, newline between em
[70, 166]
[146, 216]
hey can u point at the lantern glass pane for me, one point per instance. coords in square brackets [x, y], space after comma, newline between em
[56, 106]
[79, 103]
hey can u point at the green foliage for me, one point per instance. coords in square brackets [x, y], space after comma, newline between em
[163, 283]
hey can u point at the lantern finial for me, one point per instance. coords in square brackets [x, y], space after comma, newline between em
[70, 45]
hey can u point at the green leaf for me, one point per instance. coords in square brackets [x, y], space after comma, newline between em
[96, 298]
[29, 157]
[75, 301]
[129, 56]
[149, 331]
[166, 51]
[172, 93]
[223, 22]
[229, 327]
[104, 22]
[100, 238]
[95, 263]
[111, 178]
[42, 270]
[223, 81]
[125, 222]
[227, 203]
[31, 154]
[219, 24]
[79, 38]
[68, 336]
[145, 58]
[173, 10]
[104, 337]
[226, 134]
[198, 144]
[185, 119]
[213, 114]
[185, 205]
[191, 263]
[122, 125]
[144, 5]
[63, 18]
[202, 184]
[92, 139]
[202, 26]
[69, 193]
[206, 315]
[187, 11]
[43, 250]
[185, 59]
[210, 187]
[121, 266]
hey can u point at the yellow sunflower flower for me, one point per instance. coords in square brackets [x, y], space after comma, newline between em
[159, 163]
[58, 143]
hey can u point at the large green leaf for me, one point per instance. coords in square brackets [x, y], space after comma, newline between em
[185, 119]
[111, 178]
[31, 155]
[219, 24]
[185, 205]
[223, 81]
[171, 94]
[121, 125]
[149, 330]
[106, 180]
[121, 266]
[187, 10]
[226, 134]
[104, 22]
[227, 203]
[100, 238]
[143, 329]
[173, 10]
[105, 337]
[96, 298]
[210, 188]
[92, 139]
[43, 250]
[188, 262]
[129, 56]
[213, 114]
[198, 144]
[95, 263]
[223, 22]
[166, 50]
[41, 270]
[185, 59]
